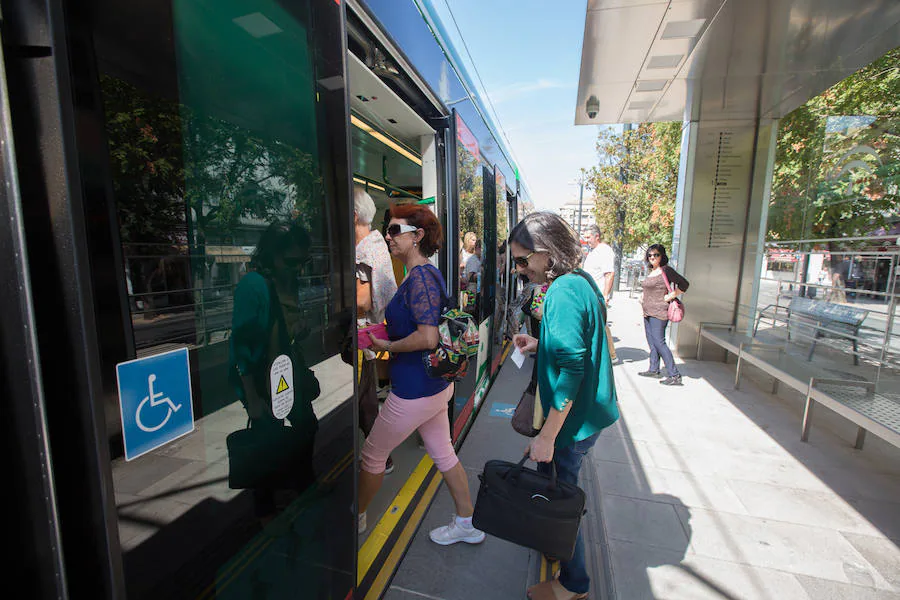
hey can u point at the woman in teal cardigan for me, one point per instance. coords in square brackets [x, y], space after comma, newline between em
[575, 375]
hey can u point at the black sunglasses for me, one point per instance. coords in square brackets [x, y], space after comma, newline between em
[522, 261]
[654, 255]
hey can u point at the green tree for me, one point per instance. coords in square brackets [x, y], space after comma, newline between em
[635, 184]
[168, 159]
[837, 162]
[471, 192]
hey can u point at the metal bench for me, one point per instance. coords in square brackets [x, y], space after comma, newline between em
[825, 319]
[855, 400]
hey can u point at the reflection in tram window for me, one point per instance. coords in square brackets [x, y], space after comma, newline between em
[471, 215]
[500, 332]
[470, 186]
[227, 166]
[267, 326]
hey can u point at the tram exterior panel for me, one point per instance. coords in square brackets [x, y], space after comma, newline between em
[148, 149]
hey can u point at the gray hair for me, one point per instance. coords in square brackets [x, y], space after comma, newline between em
[595, 229]
[548, 232]
[363, 206]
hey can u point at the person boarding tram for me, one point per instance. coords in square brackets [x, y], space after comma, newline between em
[416, 401]
[575, 375]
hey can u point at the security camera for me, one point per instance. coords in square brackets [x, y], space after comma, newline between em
[592, 107]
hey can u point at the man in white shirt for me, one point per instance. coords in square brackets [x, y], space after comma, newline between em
[600, 263]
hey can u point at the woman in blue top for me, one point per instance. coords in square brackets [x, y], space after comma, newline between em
[416, 401]
[575, 376]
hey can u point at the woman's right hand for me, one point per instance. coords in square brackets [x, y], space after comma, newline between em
[525, 343]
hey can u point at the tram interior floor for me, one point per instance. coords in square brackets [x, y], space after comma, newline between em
[700, 491]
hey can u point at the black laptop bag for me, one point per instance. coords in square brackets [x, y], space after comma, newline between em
[523, 506]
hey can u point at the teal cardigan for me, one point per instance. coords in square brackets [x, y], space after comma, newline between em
[573, 359]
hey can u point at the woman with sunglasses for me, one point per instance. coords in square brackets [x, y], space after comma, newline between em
[655, 303]
[266, 324]
[416, 401]
[575, 376]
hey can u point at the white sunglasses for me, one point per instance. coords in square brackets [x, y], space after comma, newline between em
[398, 228]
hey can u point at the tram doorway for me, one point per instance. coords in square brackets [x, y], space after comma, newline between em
[394, 159]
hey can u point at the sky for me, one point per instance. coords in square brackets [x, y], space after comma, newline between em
[528, 55]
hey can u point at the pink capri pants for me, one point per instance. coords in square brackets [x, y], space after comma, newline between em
[398, 418]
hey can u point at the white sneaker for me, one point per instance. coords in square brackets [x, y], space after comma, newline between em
[455, 532]
[362, 523]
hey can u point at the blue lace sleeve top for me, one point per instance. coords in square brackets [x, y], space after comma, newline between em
[417, 302]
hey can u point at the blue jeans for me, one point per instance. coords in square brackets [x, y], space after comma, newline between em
[656, 339]
[573, 573]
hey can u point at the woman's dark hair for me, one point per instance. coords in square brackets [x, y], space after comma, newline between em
[424, 219]
[275, 241]
[663, 257]
[547, 232]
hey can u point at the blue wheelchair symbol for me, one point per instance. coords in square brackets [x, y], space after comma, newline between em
[155, 401]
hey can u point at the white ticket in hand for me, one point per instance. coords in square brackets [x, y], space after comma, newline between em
[518, 357]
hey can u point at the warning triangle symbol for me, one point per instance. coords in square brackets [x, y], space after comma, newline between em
[282, 386]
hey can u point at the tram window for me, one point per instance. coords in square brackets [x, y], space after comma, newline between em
[470, 183]
[501, 255]
[233, 216]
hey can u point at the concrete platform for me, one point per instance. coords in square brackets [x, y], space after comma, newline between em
[700, 491]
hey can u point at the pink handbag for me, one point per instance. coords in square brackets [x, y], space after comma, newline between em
[675, 311]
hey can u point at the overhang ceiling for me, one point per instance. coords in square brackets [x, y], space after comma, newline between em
[650, 60]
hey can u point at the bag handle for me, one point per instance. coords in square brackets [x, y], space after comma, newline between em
[666, 279]
[514, 473]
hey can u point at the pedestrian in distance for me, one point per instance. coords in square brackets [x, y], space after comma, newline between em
[661, 285]
[416, 401]
[600, 263]
[575, 376]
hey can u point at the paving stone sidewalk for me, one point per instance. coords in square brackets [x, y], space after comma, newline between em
[700, 491]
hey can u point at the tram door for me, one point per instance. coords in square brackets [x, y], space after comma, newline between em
[502, 272]
[475, 207]
[217, 135]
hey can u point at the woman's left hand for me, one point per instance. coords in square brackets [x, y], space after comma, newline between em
[670, 296]
[378, 344]
[540, 449]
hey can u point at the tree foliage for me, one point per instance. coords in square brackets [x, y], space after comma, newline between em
[471, 192]
[171, 164]
[837, 162]
[635, 184]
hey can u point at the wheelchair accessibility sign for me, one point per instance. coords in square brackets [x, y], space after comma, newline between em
[155, 401]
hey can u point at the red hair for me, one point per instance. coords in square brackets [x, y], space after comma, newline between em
[421, 217]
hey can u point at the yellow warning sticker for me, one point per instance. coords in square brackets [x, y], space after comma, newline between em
[282, 386]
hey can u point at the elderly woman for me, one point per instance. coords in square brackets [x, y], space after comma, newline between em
[661, 285]
[416, 401]
[575, 376]
[375, 286]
